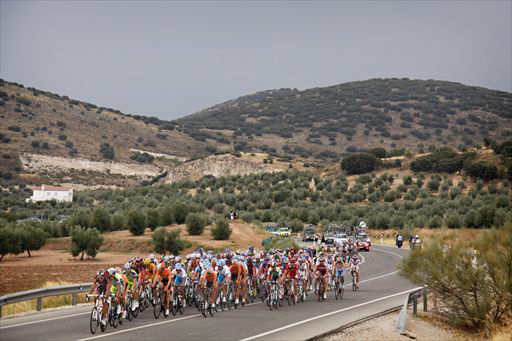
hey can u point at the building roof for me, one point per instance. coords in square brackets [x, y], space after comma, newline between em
[50, 188]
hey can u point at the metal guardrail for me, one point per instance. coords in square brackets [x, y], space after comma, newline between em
[411, 298]
[39, 294]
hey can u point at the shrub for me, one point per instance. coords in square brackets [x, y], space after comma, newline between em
[107, 151]
[152, 218]
[85, 241]
[433, 185]
[296, 225]
[453, 221]
[195, 223]
[359, 163]
[35, 144]
[101, 219]
[180, 211]
[435, 222]
[470, 278]
[221, 231]
[30, 238]
[483, 170]
[136, 222]
[118, 221]
[10, 241]
[142, 157]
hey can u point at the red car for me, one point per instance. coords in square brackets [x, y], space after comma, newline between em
[363, 245]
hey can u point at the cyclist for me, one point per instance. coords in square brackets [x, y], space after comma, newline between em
[163, 280]
[116, 289]
[223, 277]
[209, 280]
[131, 285]
[179, 278]
[354, 268]
[100, 284]
[251, 273]
[235, 270]
[339, 269]
[292, 274]
[321, 273]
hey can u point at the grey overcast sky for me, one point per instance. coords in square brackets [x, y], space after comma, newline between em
[170, 59]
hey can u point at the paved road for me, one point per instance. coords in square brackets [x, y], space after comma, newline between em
[381, 288]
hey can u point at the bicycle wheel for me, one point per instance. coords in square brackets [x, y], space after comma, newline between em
[203, 308]
[181, 306]
[342, 291]
[94, 320]
[135, 312]
[336, 291]
[157, 310]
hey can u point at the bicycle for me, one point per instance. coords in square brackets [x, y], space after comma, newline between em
[130, 313]
[177, 302]
[273, 297]
[160, 303]
[96, 314]
[114, 318]
[339, 289]
[206, 307]
[321, 289]
[354, 284]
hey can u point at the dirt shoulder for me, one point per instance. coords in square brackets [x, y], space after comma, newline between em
[423, 327]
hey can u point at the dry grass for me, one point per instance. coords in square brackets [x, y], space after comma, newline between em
[48, 302]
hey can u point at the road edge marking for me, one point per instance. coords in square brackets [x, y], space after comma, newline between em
[45, 320]
[327, 314]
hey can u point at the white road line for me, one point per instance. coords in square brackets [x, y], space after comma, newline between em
[50, 319]
[140, 327]
[328, 314]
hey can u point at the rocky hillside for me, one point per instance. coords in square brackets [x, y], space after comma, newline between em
[325, 123]
[217, 165]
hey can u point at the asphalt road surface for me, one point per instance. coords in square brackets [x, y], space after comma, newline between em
[381, 288]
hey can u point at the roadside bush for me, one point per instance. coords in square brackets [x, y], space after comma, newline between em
[195, 223]
[435, 222]
[166, 216]
[221, 231]
[470, 278]
[136, 222]
[85, 242]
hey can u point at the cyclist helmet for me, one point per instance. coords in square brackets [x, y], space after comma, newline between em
[118, 269]
[151, 256]
[127, 266]
[100, 273]
[179, 266]
[111, 271]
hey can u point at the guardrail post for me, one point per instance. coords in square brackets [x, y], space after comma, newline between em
[415, 305]
[1, 310]
[39, 304]
[425, 293]
[74, 299]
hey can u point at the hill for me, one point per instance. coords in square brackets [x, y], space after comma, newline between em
[46, 137]
[49, 138]
[328, 122]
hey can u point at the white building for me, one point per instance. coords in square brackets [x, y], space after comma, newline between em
[45, 192]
